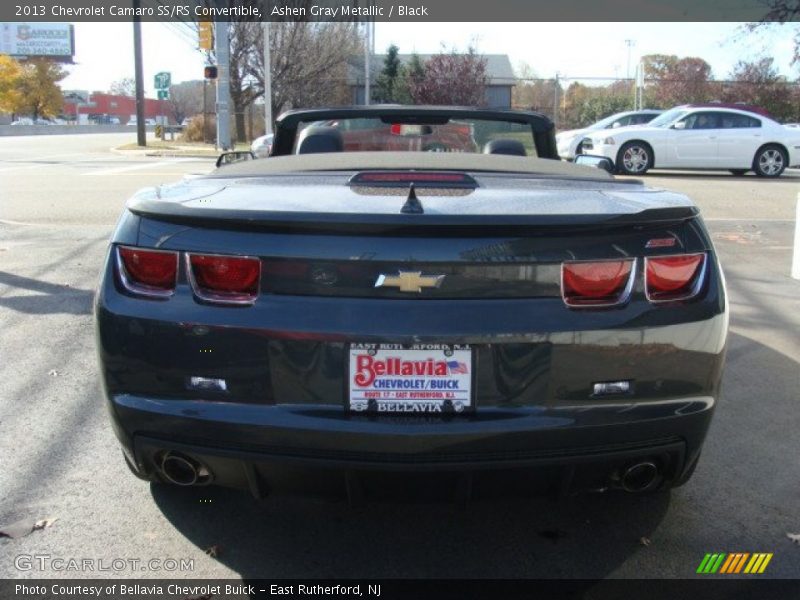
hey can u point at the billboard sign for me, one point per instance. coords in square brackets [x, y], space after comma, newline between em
[55, 40]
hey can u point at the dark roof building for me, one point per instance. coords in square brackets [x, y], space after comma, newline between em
[499, 72]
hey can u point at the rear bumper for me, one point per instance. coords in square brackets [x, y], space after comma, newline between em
[314, 449]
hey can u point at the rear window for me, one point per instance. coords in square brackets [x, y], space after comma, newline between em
[457, 135]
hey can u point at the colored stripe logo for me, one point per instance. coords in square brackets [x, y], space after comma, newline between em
[734, 562]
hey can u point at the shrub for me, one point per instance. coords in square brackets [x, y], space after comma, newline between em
[193, 132]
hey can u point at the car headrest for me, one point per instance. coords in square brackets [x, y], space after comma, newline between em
[314, 140]
[512, 147]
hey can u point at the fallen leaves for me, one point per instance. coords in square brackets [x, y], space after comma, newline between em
[795, 537]
[645, 541]
[213, 551]
[52, 373]
[24, 527]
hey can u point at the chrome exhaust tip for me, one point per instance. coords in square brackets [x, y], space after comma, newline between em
[184, 471]
[639, 477]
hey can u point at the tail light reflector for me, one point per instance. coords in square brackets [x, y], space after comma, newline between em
[147, 272]
[224, 279]
[670, 278]
[597, 283]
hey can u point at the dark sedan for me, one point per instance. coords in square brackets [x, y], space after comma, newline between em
[324, 317]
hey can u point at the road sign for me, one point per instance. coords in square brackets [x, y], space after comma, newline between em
[163, 94]
[162, 80]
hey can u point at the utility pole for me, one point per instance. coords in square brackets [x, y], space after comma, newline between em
[555, 101]
[367, 48]
[141, 137]
[267, 81]
[222, 49]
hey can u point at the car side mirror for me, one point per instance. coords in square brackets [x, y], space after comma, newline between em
[228, 158]
[679, 125]
[598, 162]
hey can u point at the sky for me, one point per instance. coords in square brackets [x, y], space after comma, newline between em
[104, 51]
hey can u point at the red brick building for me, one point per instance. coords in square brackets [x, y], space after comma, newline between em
[122, 107]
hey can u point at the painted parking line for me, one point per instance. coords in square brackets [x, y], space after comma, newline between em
[137, 167]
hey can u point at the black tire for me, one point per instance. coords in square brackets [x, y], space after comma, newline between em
[738, 172]
[770, 161]
[634, 158]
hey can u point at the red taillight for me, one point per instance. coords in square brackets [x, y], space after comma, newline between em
[148, 272]
[670, 278]
[596, 283]
[227, 279]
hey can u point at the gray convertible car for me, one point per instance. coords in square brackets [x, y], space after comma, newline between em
[364, 304]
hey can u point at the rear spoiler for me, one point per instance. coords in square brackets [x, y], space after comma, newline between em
[402, 224]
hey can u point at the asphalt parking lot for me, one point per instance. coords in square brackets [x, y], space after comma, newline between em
[60, 197]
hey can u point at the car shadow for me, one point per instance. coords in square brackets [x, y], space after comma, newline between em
[714, 176]
[291, 537]
[587, 536]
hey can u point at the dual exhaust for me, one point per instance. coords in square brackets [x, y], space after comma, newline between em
[183, 470]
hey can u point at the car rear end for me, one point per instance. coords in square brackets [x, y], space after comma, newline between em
[521, 328]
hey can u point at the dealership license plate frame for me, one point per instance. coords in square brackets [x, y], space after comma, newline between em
[462, 403]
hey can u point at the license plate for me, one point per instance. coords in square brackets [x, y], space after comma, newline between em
[424, 378]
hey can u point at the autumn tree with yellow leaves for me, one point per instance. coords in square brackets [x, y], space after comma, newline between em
[39, 94]
[10, 73]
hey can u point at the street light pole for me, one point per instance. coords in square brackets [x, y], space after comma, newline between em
[629, 43]
[267, 81]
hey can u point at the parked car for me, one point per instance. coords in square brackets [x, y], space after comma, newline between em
[569, 141]
[261, 146]
[326, 317]
[22, 121]
[690, 137]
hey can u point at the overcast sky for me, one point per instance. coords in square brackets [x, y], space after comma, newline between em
[104, 51]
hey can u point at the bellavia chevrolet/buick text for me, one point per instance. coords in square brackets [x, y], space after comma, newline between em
[411, 289]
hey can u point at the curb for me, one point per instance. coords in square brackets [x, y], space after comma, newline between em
[163, 153]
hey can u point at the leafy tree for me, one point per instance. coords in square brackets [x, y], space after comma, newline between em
[674, 80]
[123, 87]
[39, 94]
[758, 82]
[386, 84]
[10, 73]
[410, 76]
[452, 78]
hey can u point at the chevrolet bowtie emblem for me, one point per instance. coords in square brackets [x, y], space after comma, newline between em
[409, 281]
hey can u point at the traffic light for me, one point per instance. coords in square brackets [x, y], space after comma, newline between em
[205, 35]
[210, 72]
